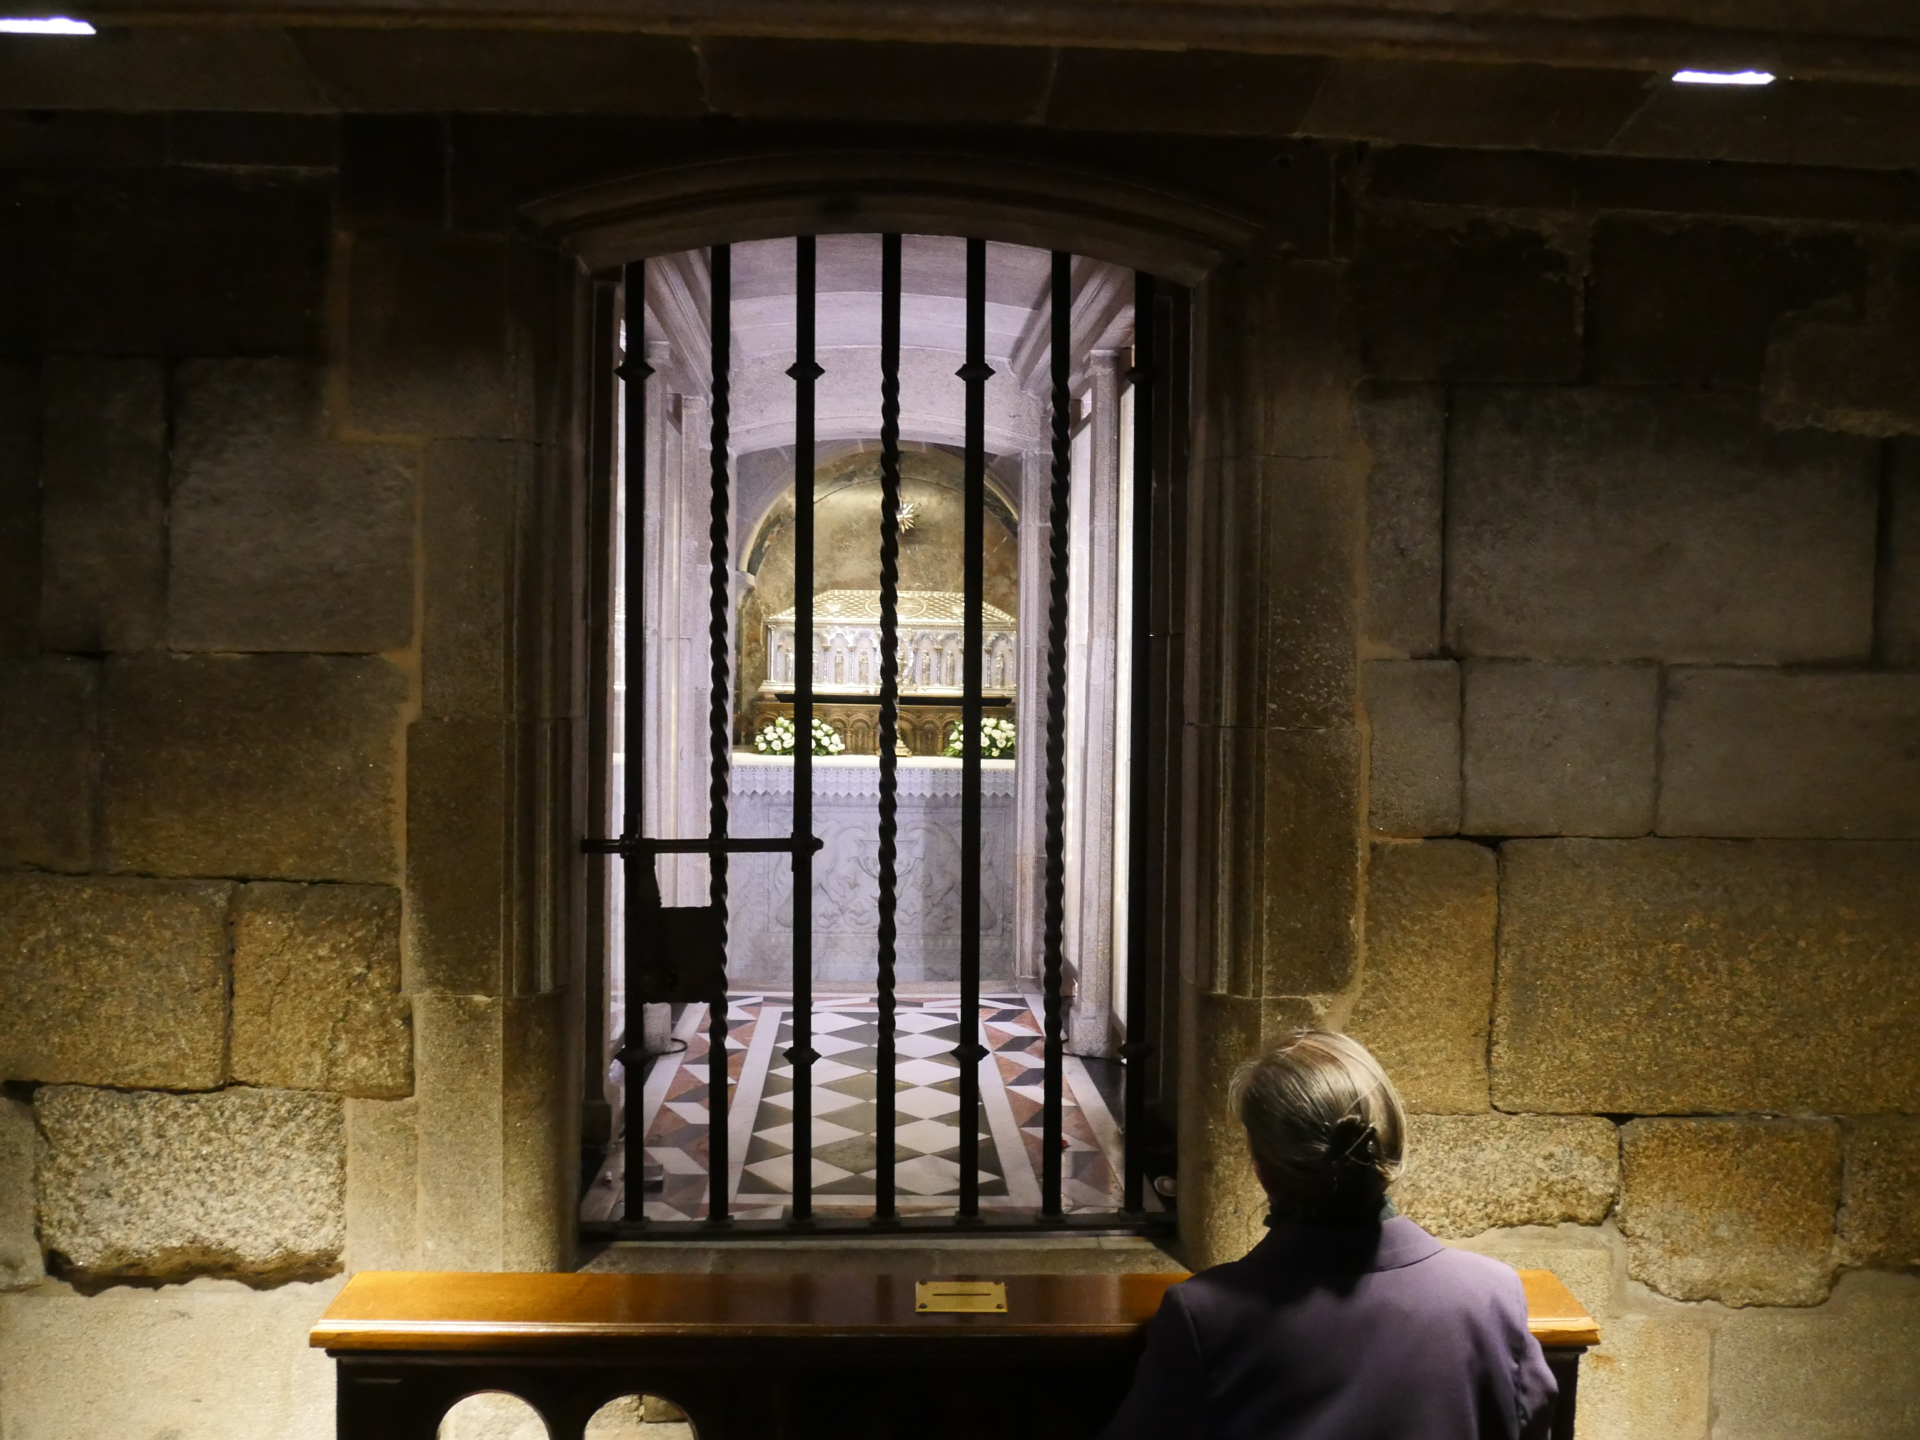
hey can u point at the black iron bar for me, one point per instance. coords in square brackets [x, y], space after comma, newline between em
[969, 1051]
[1054, 924]
[992, 1223]
[804, 372]
[720, 725]
[637, 869]
[1139, 869]
[884, 1207]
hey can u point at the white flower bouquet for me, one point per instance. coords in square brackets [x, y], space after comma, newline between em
[778, 738]
[996, 740]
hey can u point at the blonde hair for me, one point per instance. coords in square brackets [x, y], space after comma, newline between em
[1326, 1125]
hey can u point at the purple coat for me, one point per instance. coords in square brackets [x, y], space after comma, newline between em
[1378, 1332]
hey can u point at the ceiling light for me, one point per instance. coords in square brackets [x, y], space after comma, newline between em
[1722, 77]
[43, 25]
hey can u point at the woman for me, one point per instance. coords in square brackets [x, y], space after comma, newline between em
[1346, 1322]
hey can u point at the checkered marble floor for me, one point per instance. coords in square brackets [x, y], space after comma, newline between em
[926, 1171]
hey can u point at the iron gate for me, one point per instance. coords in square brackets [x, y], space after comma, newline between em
[678, 953]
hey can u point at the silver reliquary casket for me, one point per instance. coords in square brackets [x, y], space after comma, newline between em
[846, 635]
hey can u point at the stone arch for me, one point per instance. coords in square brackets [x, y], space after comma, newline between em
[924, 192]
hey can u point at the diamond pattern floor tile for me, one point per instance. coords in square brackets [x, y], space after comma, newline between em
[913, 1022]
[925, 1104]
[825, 1071]
[926, 1072]
[825, 1102]
[926, 1101]
[929, 1137]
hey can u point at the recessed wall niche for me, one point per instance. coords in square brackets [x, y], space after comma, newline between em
[847, 522]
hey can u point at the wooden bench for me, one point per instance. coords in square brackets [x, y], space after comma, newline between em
[776, 1357]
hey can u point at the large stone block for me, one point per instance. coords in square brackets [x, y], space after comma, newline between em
[113, 982]
[1426, 998]
[1468, 1173]
[1650, 1375]
[383, 1184]
[1651, 1372]
[1276, 560]
[1413, 709]
[393, 169]
[282, 537]
[1558, 749]
[1755, 753]
[430, 350]
[1311, 857]
[422, 72]
[459, 1104]
[247, 1183]
[19, 510]
[1815, 123]
[456, 856]
[47, 762]
[1510, 107]
[1594, 525]
[541, 1156]
[1195, 91]
[1282, 325]
[1681, 976]
[1880, 1199]
[1497, 179]
[1898, 642]
[1839, 1372]
[1850, 376]
[103, 503]
[476, 492]
[179, 260]
[74, 137]
[316, 990]
[1739, 1210]
[1692, 303]
[20, 1262]
[875, 80]
[211, 1360]
[275, 766]
[1481, 300]
[1406, 430]
[1278, 845]
[277, 141]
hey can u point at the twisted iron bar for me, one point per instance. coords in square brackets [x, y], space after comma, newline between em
[1054, 929]
[720, 724]
[884, 1206]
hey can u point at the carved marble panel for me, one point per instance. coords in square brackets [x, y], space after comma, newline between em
[846, 884]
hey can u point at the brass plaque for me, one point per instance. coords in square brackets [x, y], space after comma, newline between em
[960, 1297]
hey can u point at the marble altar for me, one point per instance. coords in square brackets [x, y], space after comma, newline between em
[846, 886]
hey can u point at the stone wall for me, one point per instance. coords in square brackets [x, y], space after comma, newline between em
[272, 1007]
[1642, 914]
[1551, 721]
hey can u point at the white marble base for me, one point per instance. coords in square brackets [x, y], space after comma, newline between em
[846, 883]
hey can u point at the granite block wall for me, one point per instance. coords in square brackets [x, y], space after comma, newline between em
[1643, 903]
[1553, 624]
[270, 1009]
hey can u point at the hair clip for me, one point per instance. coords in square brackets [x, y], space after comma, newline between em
[1355, 1140]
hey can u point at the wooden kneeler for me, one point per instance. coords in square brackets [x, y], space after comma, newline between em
[779, 1357]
